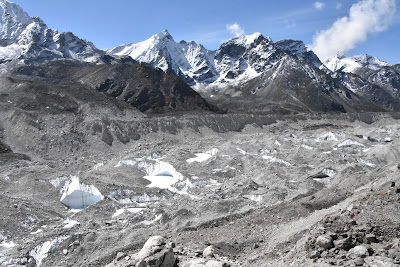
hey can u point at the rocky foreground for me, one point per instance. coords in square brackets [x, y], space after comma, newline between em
[294, 192]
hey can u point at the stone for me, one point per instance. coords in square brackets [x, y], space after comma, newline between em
[358, 252]
[120, 255]
[324, 241]
[359, 261]
[394, 253]
[90, 237]
[65, 251]
[371, 238]
[315, 255]
[345, 244]
[156, 253]
[208, 252]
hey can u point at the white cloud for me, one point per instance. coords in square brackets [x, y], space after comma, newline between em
[235, 29]
[319, 5]
[365, 17]
[339, 5]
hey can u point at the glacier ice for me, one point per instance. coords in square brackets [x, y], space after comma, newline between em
[77, 195]
[40, 252]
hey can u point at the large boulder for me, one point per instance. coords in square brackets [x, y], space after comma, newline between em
[358, 251]
[156, 253]
[324, 241]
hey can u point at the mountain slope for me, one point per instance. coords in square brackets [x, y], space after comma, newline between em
[145, 88]
[368, 76]
[236, 61]
[252, 73]
[29, 39]
[354, 63]
[294, 85]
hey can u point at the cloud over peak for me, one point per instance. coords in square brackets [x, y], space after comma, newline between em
[235, 29]
[365, 17]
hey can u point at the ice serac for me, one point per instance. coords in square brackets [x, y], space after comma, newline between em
[77, 195]
[28, 38]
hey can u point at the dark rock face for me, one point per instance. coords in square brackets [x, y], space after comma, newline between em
[375, 86]
[145, 88]
[4, 148]
[295, 85]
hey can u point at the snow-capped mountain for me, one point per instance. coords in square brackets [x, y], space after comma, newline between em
[236, 61]
[354, 63]
[28, 38]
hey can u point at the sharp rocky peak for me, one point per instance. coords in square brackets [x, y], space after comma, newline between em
[28, 38]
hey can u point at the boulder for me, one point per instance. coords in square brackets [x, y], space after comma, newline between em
[358, 252]
[156, 253]
[345, 244]
[324, 241]
[208, 252]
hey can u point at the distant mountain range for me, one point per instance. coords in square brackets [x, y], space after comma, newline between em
[247, 73]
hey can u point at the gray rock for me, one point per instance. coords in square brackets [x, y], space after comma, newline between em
[324, 241]
[379, 261]
[156, 253]
[315, 255]
[359, 261]
[120, 255]
[208, 252]
[345, 244]
[371, 238]
[90, 237]
[394, 253]
[358, 252]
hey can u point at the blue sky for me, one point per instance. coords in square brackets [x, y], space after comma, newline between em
[111, 23]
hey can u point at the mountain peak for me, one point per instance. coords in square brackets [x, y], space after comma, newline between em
[164, 35]
[353, 63]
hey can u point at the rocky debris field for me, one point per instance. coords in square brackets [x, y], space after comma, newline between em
[292, 192]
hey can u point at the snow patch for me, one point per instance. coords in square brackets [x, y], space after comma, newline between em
[125, 162]
[57, 181]
[307, 147]
[257, 198]
[40, 252]
[131, 210]
[156, 219]
[366, 162]
[350, 143]
[98, 165]
[328, 172]
[161, 175]
[9, 244]
[276, 160]
[70, 223]
[276, 143]
[200, 157]
[328, 137]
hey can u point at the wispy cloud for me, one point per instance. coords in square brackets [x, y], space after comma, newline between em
[339, 5]
[319, 5]
[365, 17]
[235, 29]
